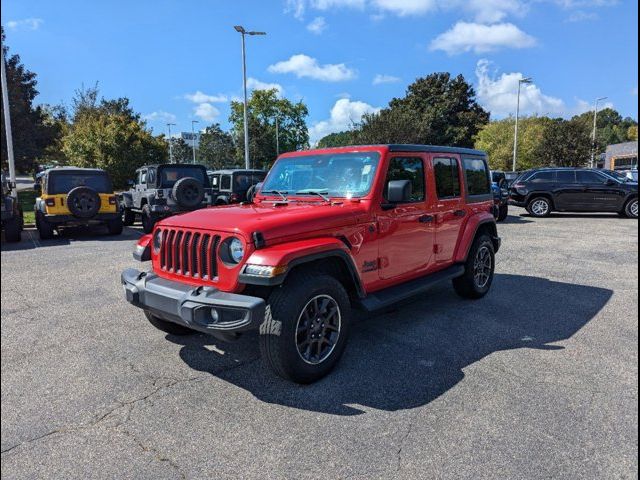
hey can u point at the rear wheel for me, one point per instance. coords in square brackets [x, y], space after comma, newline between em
[631, 209]
[479, 269]
[539, 207]
[115, 226]
[12, 230]
[45, 229]
[306, 327]
[167, 327]
[148, 219]
[503, 213]
[128, 216]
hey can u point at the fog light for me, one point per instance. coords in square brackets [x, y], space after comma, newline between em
[215, 316]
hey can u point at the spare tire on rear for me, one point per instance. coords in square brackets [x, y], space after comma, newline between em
[188, 192]
[83, 202]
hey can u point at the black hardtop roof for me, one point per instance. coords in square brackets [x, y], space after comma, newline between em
[231, 171]
[435, 149]
[540, 169]
[69, 169]
[157, 165]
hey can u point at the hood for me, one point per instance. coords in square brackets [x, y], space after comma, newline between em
[288, 220]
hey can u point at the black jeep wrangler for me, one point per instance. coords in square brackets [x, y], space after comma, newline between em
[234, 185]
[11, 212]
[160, 191]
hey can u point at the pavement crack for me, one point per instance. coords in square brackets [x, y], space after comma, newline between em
[403, 439]
[34, 439]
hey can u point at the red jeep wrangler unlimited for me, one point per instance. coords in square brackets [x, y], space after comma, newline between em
[329, 230]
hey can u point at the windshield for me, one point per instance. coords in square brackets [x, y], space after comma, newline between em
[169, 175]
[60, 182]
[347, 175]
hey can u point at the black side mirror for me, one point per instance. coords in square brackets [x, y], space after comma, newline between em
[399, 191]
[610, 182]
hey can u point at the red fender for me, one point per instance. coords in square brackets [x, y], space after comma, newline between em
[469, 234]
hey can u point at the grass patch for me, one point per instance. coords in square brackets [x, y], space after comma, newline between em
[27, 199]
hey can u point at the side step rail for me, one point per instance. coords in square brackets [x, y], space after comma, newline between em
[389, 296]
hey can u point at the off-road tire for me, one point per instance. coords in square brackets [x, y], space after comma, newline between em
[536, 207]
[468, 286]
[503, 213]
[188, 192]
[115, 226]
[251, 192]
[631, 208]
[148, 219]
[285, 307]
[83, 202]
[45, 229]
[128, 217]
[12, 230]
[167, 327]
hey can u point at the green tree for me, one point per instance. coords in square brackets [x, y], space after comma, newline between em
[217, 149]
[566, 143]
[181, 151]
[30, 130]
[109, 135]
[436, 109]
[632, 133]
[611, 127]
[264, 107]
[496, 138]
[338, 139]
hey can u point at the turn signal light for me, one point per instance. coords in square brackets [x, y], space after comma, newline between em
[50, 202]
[112, 200]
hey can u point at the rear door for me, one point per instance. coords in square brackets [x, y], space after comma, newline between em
[449, 208]
[567, 193]
[406, 230]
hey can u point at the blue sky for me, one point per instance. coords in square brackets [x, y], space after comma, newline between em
[180, 60]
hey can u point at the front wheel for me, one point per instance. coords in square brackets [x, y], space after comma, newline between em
[148, 219]
[167, 327]
[539, 207]
[306, 327]
[478, 270]
[128, 217]
[631, 209]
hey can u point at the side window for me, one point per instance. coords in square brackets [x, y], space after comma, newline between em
[215, 181]
[143, 177]
[225, 182]
[589, 177]
[542, 177]
[566, 176]
[408, 168]
[447, 174]
[151, 176]
[477, 174]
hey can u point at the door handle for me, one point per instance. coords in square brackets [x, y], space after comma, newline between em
[426, 219]
[460, 213]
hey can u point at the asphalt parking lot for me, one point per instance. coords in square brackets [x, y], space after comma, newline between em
[537, 380]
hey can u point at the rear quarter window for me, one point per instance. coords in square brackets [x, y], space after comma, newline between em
[476, 173]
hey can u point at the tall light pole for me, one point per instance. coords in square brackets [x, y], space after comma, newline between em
[593, 134]
[243, 32]
[193, 139]
[7, 126]
[277, 137]
[527, 80]
[169, 125]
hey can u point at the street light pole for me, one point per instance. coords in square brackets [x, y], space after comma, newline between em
[7, 126]
[277, 137]
[515, 136]
[193, 139]
[593, 134]
[243, 32]
[170, 143]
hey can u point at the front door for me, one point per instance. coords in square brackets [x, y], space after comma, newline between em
[601, 194]
[406, 230]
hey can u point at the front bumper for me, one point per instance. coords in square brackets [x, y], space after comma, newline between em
[205, 309]
[70, 219]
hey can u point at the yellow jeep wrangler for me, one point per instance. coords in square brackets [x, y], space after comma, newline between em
[71, 196]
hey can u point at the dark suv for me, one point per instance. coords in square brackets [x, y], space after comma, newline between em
[543, 191]
[234, 186]
[160, 191]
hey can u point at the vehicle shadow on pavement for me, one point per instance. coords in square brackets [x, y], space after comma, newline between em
[408, 357]
[31, 240]
[514, 220]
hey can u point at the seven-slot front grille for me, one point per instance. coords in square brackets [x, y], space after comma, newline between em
[192, 254]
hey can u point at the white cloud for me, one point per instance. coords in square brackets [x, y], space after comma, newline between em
[26, 24]
[255, 84]
[380, 79]
[406, 7]
[343, 115]
[206, 111]
[200, 97]
[317, 25]
[479, 38]
[331, 4]
[490, 11]
[160, 116]
[296, 8]
[581, 16]
[305, 66]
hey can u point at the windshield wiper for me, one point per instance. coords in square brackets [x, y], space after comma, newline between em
[277, 192]
[314, 192]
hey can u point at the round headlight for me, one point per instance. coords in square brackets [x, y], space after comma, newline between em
[157, 240]
[236, 250]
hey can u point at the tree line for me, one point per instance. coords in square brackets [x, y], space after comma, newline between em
[438, 109]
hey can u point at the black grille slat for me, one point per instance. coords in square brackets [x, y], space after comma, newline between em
[195, 244]
[163, 249]
[177, 252]
[213, 256]
[189, 253]
[186, 265]
[204, 246]
[172, 234]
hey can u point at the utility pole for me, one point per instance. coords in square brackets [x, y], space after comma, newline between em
[169, 125]
[515, 137]
[593, 134]
[7, 126]
[243, 32]
[193, 139]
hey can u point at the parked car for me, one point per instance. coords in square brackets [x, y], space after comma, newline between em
[71, 196]
[12, 220]
[500, 190]
[160, 191]
[329, 230]
[234, 185]
[510, 177]
[542, 191]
